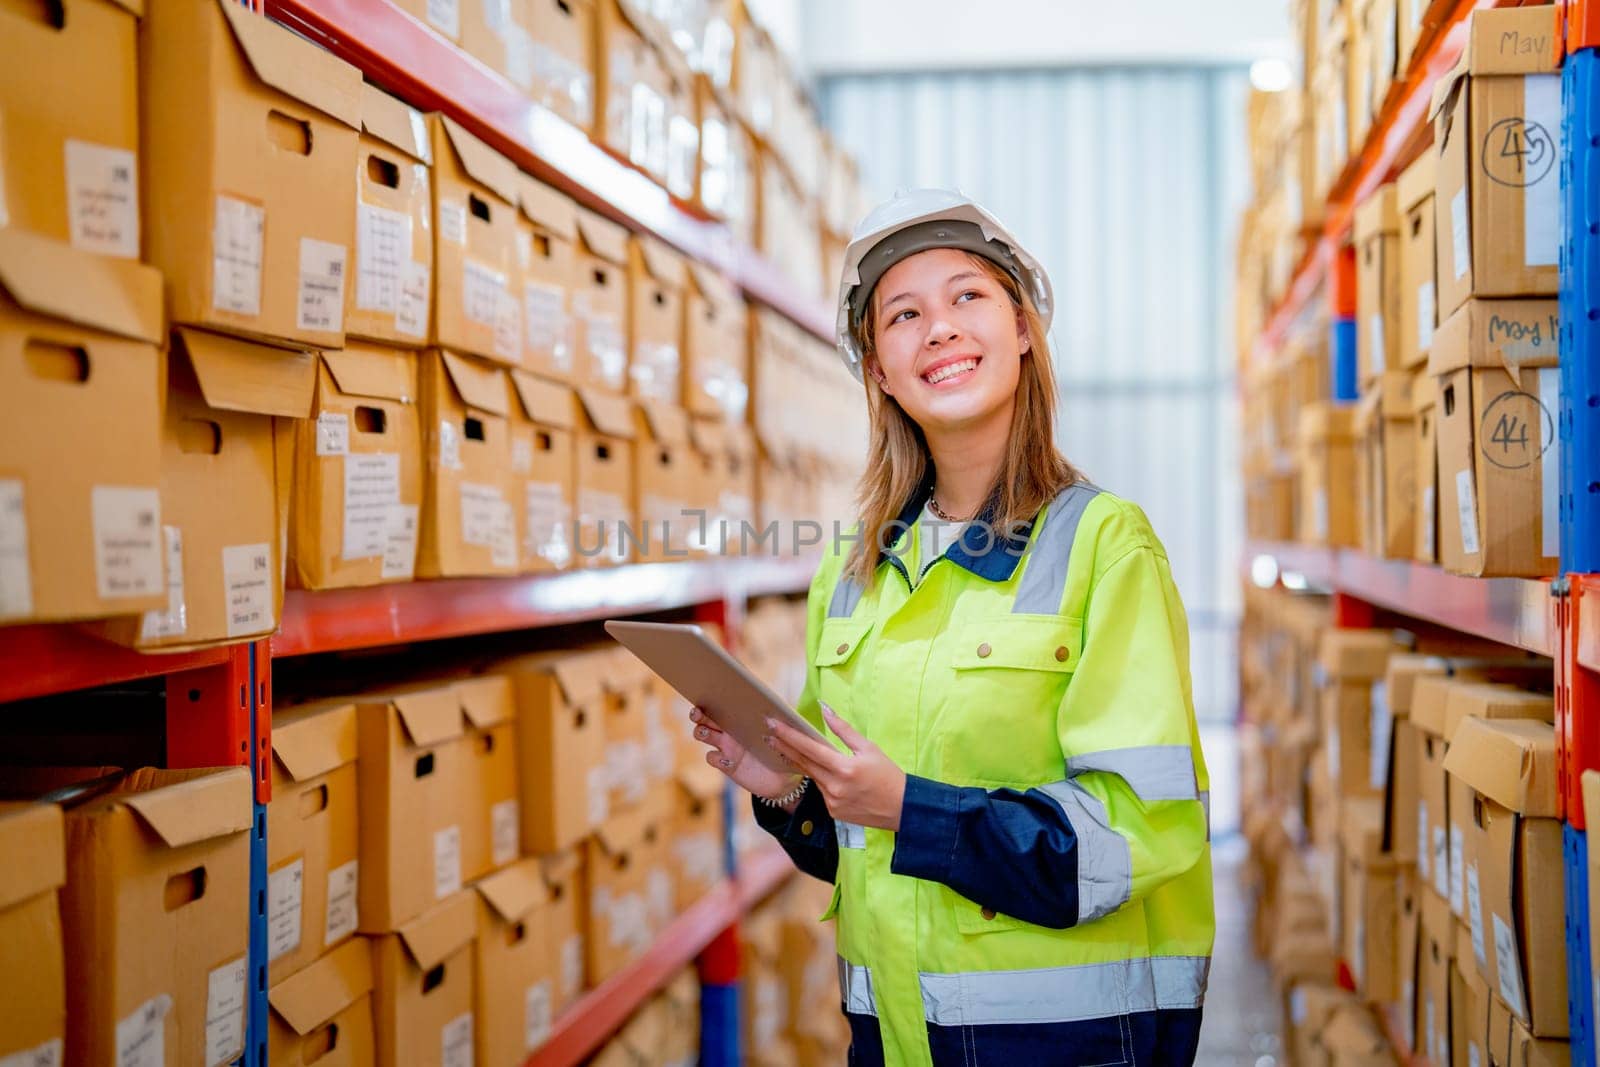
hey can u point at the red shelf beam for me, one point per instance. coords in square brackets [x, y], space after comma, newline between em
[1513, 611]
[40, 659]
[398, 52]
[1578, 693]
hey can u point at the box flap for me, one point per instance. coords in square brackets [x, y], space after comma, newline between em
[53, 278]
[395, 123]
[610, 414]
[238, 375]
[1361, 829]
[702, 781]
[624, 672]
[33, 841]
[1394, 389]
[485, 166]
[604, 238]
[479, 385]
[1509, 334]
[515, 891]
[312, 997]
[1513, 40]
[543, 401]
[660, 262]
[1510, 761]
[1424, 393]
[548, 208]
[432, 936]
[667, 424]
[1356, 655]
[377, 372]
[1417, 182]
[581, 676]
[294, 66]
[622, 832]
[1490, 700]
[314, 740]
[1324, 422]
[1378, 214]
[487, 701]
[185, 807]
[707, 436]
[558, 869]
[430, 716]
[1353, 1031]
[713, 284]
[1446, 89]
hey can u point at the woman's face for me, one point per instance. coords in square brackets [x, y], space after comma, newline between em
[948, 340]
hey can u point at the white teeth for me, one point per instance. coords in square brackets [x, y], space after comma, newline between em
[950, 371]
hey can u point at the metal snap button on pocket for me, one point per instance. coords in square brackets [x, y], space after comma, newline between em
[842, 649]
[984, 650]
[987, 913]
[1062, 653]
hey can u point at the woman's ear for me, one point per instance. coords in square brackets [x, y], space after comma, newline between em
[872, 368]
[1023, 343]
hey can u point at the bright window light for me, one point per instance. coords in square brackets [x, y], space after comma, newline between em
[1270, 75]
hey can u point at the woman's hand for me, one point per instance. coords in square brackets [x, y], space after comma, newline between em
[861, 786]
[734, 760]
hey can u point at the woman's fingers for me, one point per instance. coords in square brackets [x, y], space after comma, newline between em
[719, 760]
[796, 759]
[815, 753]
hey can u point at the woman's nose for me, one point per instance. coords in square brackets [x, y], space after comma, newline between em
[940, 331]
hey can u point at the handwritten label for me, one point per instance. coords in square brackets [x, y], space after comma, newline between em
[333, 434]
[247, 581]
[103, 199]
[16, 578]
[321, 304]
[237, 242]
[127, 540]
[446, 861]
[225, 1012]
[285, 891]
[341, 920]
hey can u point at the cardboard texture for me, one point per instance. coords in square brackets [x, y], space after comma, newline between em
[1369, 884]
[518, 964]
[491, 836]
[78, 352]
[323, 1014]
[682, 122]
[562, 58]
[1497, 122]
[656, 279]
[696, 833]
[358, 472]
[716, 352]
[224, 491]
[250, 203]
[390, 296]
[33, 1011]
[500, 35]
[476, 308]
[468, 515]
[1432, 815]
[627, 686]
[723, 186]
[312, 836]
[663, 478]
[69, 146]
[1378, 293]
[629, 891]
[1387, 439]
[607, 527]
[631, 86]
[544, 469]
[568, 914]
[1354, 712]
[424, 986]
[600, 303]
[1425, 452]
[413, 758]
[1328, 455]
[1436, 954]
[547, 232]
[1417, 296]
[1469, 1011]
[561, 743]
[1499, 456]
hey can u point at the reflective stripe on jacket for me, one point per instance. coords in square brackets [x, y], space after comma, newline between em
[1050, 884]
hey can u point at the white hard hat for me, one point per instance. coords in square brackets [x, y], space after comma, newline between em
[916, 221]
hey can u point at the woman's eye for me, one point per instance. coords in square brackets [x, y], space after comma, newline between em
[901, 317]
[970, 292]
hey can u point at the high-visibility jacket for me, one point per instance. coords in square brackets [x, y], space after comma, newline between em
[1047, 897]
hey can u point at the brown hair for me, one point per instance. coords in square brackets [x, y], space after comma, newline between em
[1034, 471]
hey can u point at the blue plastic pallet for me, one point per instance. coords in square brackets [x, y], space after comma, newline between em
[720, 1032]
[1579, 416]
[1582, 1009]
[1342, 360]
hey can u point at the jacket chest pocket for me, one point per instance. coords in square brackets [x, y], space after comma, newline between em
[838, 660]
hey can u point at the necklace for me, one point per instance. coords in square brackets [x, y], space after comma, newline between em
[941, 513]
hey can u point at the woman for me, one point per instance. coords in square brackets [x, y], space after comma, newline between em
[1012, 800]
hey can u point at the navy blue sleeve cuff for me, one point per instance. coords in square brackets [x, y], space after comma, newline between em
[809, 826]
[930, 830]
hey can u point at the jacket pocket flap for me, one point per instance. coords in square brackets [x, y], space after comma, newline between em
[839, 641]
[1020, 642]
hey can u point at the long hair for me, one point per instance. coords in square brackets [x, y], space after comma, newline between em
[1034, 470]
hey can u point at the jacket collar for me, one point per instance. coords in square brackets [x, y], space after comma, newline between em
[992, 557]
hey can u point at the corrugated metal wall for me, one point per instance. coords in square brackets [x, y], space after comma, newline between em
[1125, 182]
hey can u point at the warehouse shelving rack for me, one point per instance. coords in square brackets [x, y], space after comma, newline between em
[219, 700]
[1559, 618]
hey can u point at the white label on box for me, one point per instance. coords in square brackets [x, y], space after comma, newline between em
[1549, 464]
[1358, 961]
[1297, 1006]
[341, 922]
[46, 1055]
[508, 326]
[247, 581]
[371, 492]
[16, 579]
[1508, 967]
[225, 1012]
[1539, 141]
[285, 892]
[142, 1035]
[322, 266]
[103, 199]
[127, 540]
[536, 1015]
[1458, 863]
[599, 785]
[1475, 916]
[548, 325]
[1467, 512]
[453, 222]
[505, 831]
[383, 252]
[1425, 312]
[1441, 864]
[520, 58]
[1381, 724]
[482, 289]
[237, 240]
[411, 314]
[1460, 235]
[549, 520]
[1319, 514]
[480, 513]
[449, 446]
[571, 966]
[456, 1037]
[446, 16]
[497, 15]
[522, 455]
[1409, 1018]
[1474, 1057]
[1444, 1040]
[400, 550]
[333, 434]
[1430, 521]
[446, 862]
[1430, 1034]
[1379, 360]
[503, 542]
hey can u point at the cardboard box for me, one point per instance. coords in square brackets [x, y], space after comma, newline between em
[1499, 456]
[1433, 823]
[724, 187]
[1328, 457]
[499, 34]
[680, 1009]
[561, 744]
[1469, 1012]
[627, 683]
[468, 518]
[225, 486]
[1413, 17]
[1378, 315]
[79, 353]
[1383, 47]
[631, 86]
[155, 916]
[491, 836]
[414, 760]
[424, 989]
[600, 303]
[656, 277]
[475, 194]
[547, 235]
[563, 880]
[250, 205]
[696, 833]
[1436, 952]
[1350, 662]
[1510, 1042]
[518, 964]
[1497, 122]
[71, 135]
[1369, 884]
[682, 123]
[323, 1014]
[1425, 452]
[545, 468]
[1310, 1005]
[607, 530]
[1515, 892]
[1402, 794]
[716, 347]
[358, 471]
[1418, 307]
[1387, 415]
[33, 996]
[312, 836]
[391, 298]
[663, 478]
[562, 54]
[630, 892]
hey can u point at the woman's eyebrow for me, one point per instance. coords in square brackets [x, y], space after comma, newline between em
[959, 277]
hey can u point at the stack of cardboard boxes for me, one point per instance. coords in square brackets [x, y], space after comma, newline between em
[790, 982]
